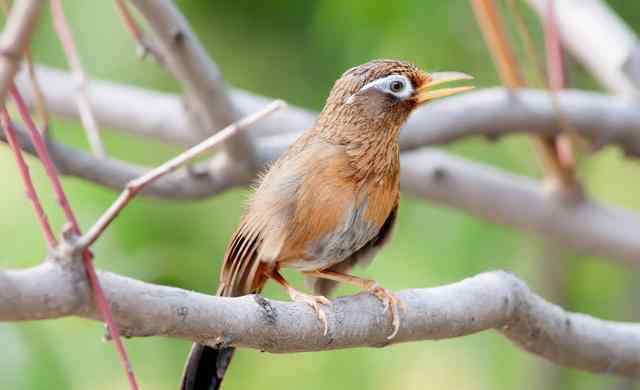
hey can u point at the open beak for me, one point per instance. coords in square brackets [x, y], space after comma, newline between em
[425, 93]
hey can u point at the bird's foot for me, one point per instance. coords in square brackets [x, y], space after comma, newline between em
[314, 301]
[389, 301]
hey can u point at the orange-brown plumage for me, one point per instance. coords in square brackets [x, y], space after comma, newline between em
[330, 201]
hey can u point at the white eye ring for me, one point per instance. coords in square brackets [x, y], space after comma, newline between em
[396, 84]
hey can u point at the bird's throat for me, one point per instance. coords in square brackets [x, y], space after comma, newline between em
[375, 158]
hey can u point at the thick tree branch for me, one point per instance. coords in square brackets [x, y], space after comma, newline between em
[523, 204]
[495, 300]
[20, 24]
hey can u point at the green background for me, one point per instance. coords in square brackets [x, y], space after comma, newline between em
[295, 50]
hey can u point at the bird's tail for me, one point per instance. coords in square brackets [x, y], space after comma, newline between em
[206, 365]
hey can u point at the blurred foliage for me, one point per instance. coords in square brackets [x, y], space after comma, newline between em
[295, 50]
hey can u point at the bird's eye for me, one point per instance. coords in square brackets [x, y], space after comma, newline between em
[396, 86]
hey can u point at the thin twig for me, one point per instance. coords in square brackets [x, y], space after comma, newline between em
[556, 82]
[135, 186]
[40, 102]
[87, 257]
[527, 41]
[14, 143]
[80, 78]
[144, 46]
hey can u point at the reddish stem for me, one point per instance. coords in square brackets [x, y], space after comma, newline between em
[14, 143]
[556, 79]
[131, 24]
[101, 300]
[43, 154]
[555, 64]
[144, 45]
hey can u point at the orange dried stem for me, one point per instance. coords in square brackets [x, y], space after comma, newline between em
[495, 36]
[494, 32]
[525, 36]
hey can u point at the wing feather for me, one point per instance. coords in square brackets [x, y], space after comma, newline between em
[362, 257]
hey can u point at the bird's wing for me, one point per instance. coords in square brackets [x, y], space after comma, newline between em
[298, 198]
[362, 257]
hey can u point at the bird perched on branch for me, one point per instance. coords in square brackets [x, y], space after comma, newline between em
[329, 203]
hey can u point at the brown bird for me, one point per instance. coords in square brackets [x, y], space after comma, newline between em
[329, 203]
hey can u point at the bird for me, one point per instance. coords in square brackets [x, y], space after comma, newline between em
[329, 203]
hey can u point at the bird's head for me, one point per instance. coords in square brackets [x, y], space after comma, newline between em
[379, 95]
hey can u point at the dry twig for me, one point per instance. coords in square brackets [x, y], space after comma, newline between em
[79, 77]
[495, 35]
[144, 44]
[135, 186]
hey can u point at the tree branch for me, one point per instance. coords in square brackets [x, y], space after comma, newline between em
[523, 204]
[495, 300]
[632, 65]
[478, 189]
[206, 93]
[493, 112]
[20, 24]
[601, 118]
[587, 40]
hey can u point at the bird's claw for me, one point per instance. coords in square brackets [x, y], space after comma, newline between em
[314, 301]
[389, 300]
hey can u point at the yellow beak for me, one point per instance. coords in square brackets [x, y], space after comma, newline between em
[425, 93]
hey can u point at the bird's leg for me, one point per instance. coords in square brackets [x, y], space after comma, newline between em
[388, 299]
[298, 296]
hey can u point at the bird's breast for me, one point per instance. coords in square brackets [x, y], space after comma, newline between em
[334, 247]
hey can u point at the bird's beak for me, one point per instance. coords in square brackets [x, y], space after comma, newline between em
[425, 93]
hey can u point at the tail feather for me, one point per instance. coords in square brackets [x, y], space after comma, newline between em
[241, 274]
[206, 367]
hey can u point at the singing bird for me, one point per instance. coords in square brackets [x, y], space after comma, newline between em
[329, 203]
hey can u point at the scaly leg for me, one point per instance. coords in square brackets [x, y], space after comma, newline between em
[312, 300]
[388, 299]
